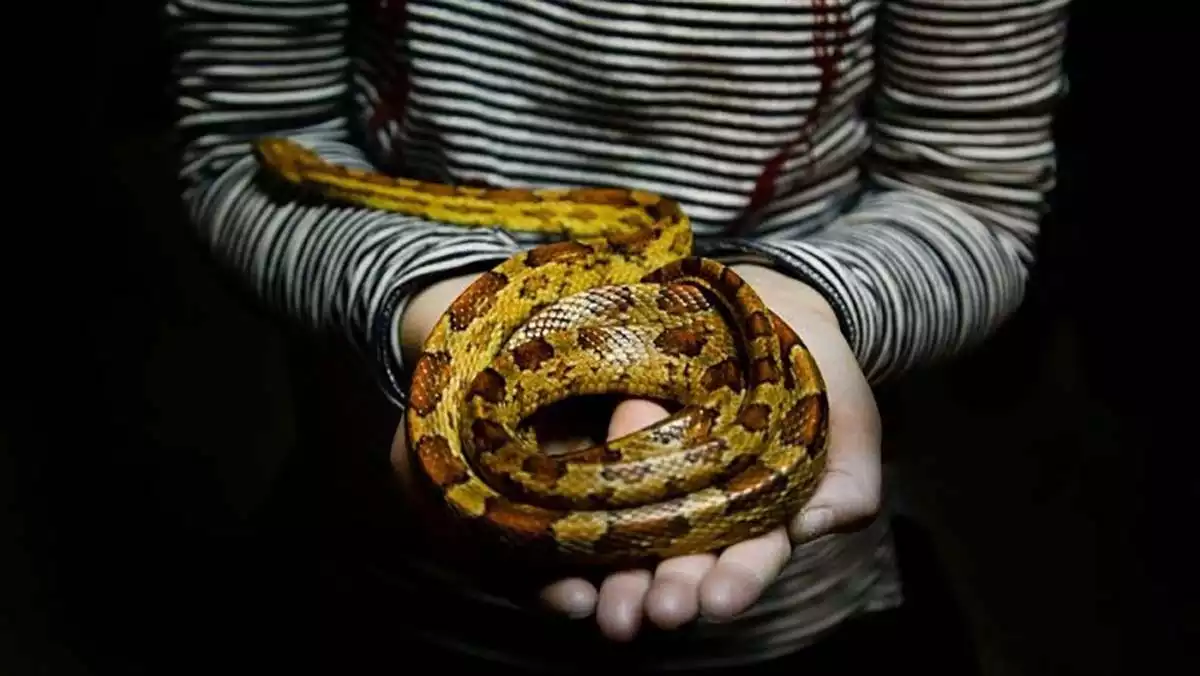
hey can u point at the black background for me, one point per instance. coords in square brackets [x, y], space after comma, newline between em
[161, 508]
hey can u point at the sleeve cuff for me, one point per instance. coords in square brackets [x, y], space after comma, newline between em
[385, 331]
[385, 346]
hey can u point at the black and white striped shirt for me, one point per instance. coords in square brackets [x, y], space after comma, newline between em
[894, 154]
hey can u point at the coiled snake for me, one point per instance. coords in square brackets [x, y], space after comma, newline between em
[620, 305]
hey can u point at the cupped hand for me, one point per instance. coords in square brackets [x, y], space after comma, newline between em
[720, 586]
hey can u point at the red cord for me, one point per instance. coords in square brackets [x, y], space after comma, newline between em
[394, 86]
[828, 19]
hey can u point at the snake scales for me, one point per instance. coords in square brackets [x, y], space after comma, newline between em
[619, 305]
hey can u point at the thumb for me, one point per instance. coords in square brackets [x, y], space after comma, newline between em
[849, 491]
[632, 415]
[850, 486]
[844, 498]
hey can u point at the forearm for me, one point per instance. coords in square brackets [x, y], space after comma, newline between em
[228, 94]
[331, 267]
[912, 279]
[937, 254]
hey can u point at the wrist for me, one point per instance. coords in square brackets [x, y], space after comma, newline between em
[777, 289]
[425, 309]
[788, 294]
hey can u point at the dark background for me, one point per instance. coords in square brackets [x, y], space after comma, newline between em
[179, 500]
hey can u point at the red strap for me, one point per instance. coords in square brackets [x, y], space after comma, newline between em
[394, 97]
[393, 94]
[827, 53]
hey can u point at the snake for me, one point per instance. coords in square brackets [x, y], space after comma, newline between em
[614, 302]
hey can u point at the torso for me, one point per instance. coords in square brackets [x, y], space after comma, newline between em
[703, 105]
[735, 110]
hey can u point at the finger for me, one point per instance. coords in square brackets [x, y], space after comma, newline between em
[569, 425]
[850, 488]
[622, 595]
[741, 574]
[848, 494]
[573, 597]
[674, 596]
[403, 467]
[619, 607]
[632, 415]
[676, 581]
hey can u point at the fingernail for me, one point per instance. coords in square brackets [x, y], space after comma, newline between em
[722, 601]
[575, 604]
[570, 611]
[722, 617]
[579, 606]
[815, 521]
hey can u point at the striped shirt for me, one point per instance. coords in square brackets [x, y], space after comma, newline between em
[894, 154]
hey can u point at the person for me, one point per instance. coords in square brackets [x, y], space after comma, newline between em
[877, 170]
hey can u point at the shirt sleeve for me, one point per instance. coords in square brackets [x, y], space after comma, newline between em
[245, 69]
[937, 254]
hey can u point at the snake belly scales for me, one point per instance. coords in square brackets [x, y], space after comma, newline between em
[617, 305]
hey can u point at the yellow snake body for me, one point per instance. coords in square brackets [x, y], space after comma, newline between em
[619, 306]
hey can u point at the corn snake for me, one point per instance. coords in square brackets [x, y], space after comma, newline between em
[619, 305]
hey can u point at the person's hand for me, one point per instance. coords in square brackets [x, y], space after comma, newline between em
[719, 586]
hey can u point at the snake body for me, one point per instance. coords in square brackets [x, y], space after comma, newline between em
[620, 305]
